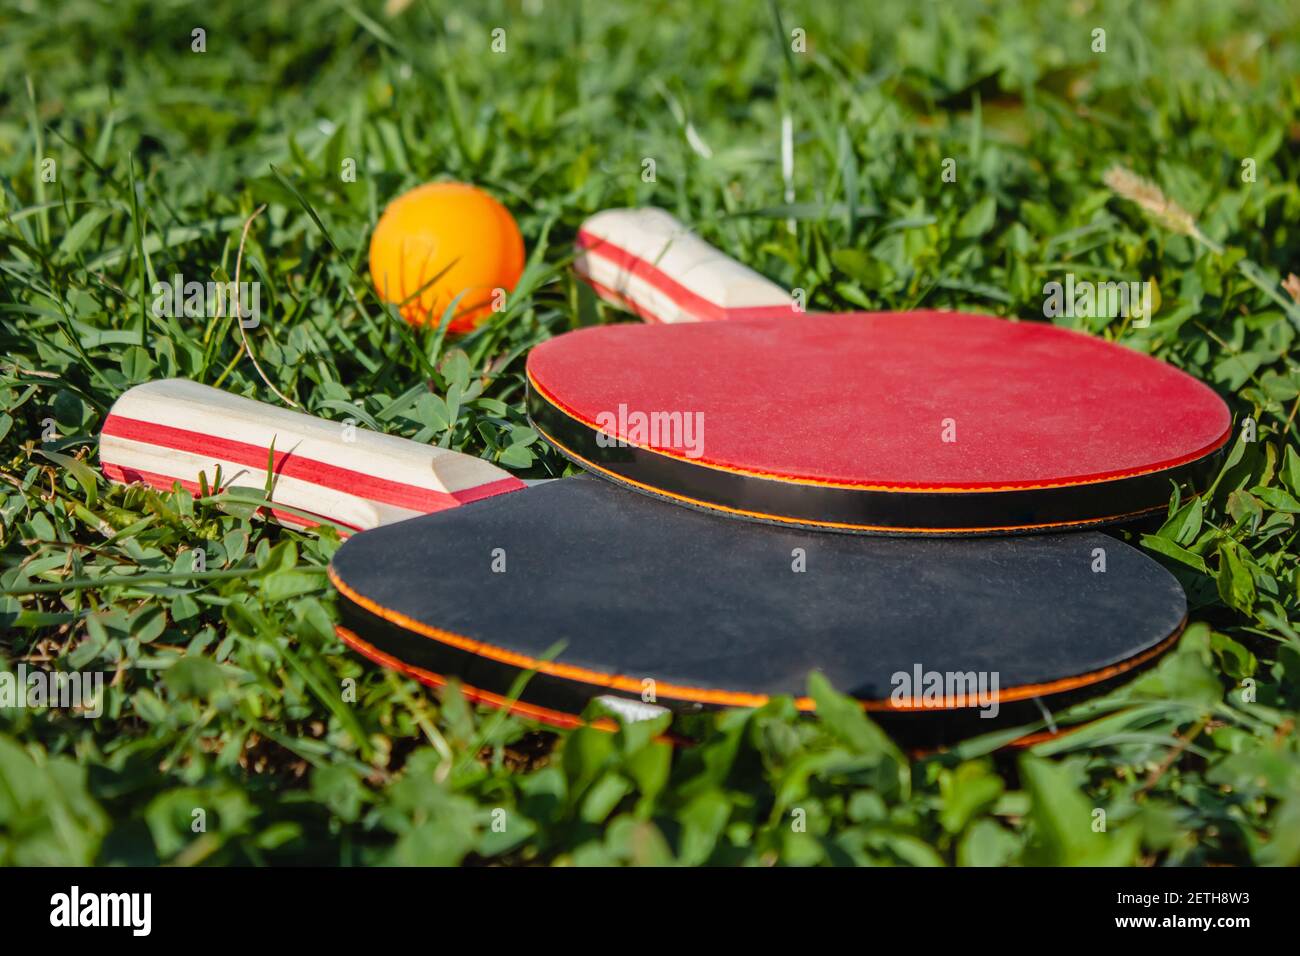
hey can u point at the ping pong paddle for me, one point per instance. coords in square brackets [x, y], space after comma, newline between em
[666, 606]
[905, 423]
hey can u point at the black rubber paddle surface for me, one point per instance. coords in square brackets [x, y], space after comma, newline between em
[714, 613]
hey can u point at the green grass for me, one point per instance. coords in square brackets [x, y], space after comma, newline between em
[227, 689]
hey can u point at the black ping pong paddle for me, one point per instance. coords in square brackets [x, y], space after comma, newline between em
[659, 606]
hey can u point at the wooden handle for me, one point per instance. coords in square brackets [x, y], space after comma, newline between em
[172, 430]
[646, 261]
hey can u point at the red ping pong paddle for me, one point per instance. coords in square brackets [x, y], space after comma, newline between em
[905, 423]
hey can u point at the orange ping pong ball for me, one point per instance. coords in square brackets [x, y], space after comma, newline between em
[454, 229]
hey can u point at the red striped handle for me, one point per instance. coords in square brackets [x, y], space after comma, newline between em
[646, 261]
[174, 430]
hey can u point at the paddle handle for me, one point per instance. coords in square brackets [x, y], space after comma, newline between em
[648, 262]
[174, 430]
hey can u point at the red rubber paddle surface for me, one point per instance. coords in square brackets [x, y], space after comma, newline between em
[862, 399]
[902, 423]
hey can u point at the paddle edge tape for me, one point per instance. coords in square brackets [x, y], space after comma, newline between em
[565, 689]
[924, 730]
[565, 721]
[861, 508]
[520, 708]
